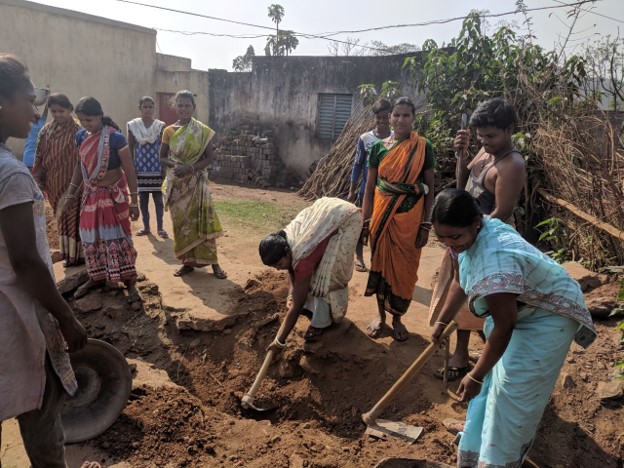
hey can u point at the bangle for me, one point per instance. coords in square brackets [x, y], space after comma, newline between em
[426, 228]
[132, 205]
[442, 323]
[480, 382]
[426, 223]
[278, 344]
[70, 195]
[71, 184]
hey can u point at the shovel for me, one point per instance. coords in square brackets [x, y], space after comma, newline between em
[370, 418]
[247, 401]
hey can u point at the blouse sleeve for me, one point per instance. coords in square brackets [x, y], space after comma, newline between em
[117, 141]
[374, 154]
[430, 159]
[166, 136]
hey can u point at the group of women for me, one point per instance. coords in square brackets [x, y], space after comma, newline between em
[534, 309]
[95, 178]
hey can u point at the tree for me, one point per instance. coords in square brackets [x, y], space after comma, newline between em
[276, 13]
[348, 47]
[282, 44]
[403, 48]
[243, 63]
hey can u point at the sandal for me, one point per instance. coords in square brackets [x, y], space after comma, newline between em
[453, 373]
[360, 266]
[313, 334]
[163, 234]
[143, 232]
[399, 332]
[375, 328]
[473, 356]
[218, 272]
[184, 270]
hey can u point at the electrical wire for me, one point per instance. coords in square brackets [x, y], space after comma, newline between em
[329, 35]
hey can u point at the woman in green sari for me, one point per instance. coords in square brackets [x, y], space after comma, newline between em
[186, 151]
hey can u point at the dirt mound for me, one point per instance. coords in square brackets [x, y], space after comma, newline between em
[321, 389]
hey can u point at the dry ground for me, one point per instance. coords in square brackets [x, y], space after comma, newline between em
[199, 341]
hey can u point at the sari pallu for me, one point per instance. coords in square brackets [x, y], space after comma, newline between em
[105, 215]
[196, 225]
[398, 211]
[55, 159]
[341, 222]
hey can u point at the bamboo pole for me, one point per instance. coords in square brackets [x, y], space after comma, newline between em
[615, 232]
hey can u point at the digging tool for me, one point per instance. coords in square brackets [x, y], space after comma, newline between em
[247, 401]
[371, 416]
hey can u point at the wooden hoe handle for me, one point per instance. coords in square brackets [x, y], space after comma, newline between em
[260, 377]
[370, 417]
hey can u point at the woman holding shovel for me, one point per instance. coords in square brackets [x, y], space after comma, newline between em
[317, 250]
[533, 311]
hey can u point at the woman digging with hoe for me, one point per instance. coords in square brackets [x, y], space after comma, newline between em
[316, 249]
[533, 311]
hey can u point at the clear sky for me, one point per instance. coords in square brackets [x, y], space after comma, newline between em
[319, 16]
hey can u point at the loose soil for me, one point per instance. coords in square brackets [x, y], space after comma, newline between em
[191, 416]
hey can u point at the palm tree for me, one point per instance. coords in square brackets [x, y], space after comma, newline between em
[276, 13]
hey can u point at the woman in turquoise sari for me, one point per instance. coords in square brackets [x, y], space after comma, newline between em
[186, 150]
[533, 311]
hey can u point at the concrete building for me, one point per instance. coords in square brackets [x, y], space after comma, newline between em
[305, 100]
[83, 55]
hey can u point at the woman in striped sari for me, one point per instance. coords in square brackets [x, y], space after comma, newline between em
[396, 209]
[55, 159]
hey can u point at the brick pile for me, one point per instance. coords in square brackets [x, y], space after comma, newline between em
[247, 156]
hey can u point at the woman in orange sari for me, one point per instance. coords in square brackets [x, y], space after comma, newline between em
[396, 210]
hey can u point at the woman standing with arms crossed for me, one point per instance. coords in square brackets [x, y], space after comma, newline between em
[144, 139]
[186, 150]
[105, 171]
[56, 157]
[396, 210]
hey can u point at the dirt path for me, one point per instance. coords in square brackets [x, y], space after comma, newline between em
[199, 342]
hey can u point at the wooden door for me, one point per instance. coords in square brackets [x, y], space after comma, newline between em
[166, 112]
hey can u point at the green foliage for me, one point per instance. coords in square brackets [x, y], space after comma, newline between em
[388, 90]
[281, 44]
[551, 234]
[476, 67]
[242, 63]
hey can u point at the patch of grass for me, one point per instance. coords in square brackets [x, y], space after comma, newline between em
[256, 216]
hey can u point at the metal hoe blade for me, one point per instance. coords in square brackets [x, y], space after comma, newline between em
[247, 402]
[384, 427]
